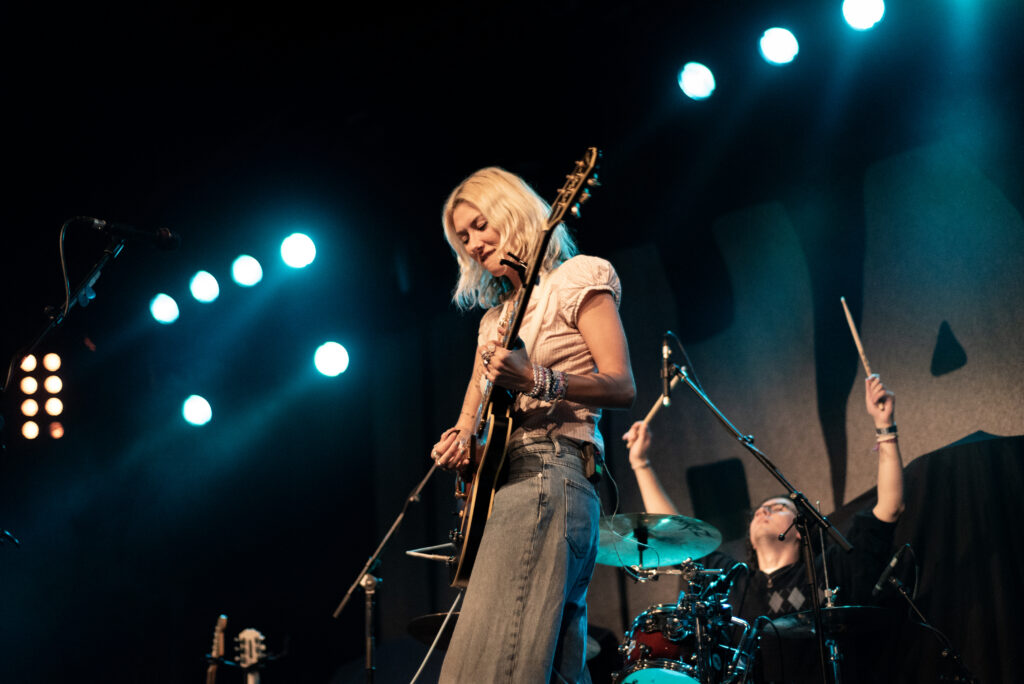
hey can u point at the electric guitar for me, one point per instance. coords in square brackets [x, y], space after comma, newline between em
[217, 650]
[494, 414]
[250, 652]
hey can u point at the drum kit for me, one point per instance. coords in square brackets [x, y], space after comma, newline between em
[697, 640]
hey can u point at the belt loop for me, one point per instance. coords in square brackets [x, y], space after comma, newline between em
[558, 446]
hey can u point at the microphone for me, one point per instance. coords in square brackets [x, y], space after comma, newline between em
[161, 238]
[888, 571]
[666, 379]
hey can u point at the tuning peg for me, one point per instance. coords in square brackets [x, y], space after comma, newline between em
[585, 195]
[593, 182]
[575, 211]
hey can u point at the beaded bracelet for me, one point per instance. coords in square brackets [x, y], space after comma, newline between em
[548, 385]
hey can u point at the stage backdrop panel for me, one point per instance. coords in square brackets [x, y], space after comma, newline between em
[943, 319]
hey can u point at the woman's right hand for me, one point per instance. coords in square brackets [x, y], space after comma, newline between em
[452, 450]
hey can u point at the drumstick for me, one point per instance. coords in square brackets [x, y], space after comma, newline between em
[658, 404]
[856, 340]
[856, 337]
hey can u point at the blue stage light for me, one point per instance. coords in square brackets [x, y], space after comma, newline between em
[298, 250]
[331, 359]
[164, 309]
[696, 81]
[196, 410]
[204, 287]
[863, 14]
[246, 271]
[779, 46]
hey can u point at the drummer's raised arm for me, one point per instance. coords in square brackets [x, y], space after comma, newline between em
[656, 500]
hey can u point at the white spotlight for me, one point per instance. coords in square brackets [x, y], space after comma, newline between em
[779, 46]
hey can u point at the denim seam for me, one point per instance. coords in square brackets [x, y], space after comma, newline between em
[530, 554]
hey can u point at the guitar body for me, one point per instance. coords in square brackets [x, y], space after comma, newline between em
[491, 472]
[494, 415]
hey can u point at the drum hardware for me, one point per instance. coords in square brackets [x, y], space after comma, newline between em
[687, 642]
[648, 540]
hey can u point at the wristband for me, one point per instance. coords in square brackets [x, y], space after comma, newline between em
[891, 430]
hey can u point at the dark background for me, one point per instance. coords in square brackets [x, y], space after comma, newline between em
[235, 126]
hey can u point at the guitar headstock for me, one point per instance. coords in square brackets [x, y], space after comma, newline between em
[576, 189]
[250, 648]
[217, 649]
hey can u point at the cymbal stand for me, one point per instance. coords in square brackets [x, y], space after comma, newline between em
[806, 513]
[963, 673]
[834, 656]
[369, 583]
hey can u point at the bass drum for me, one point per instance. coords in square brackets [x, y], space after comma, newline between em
[661, 648]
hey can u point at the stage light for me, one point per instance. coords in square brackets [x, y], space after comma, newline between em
[331, 359]
[54, 406]
[29, 407]
[51, 362]
[863, 14]
[29, 385]
[204, 287]
[696, 81]
[196, 410]
[246, 271]
[30, 429]
[28, 364]
[779, 46]
[53, 384]
[298, 250]
[164, 309]
[56, 429]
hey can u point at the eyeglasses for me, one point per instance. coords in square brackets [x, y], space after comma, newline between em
[771, 509]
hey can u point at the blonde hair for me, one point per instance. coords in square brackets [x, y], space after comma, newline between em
[519, 215]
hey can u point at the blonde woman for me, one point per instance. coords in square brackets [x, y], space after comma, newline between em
[524, 615]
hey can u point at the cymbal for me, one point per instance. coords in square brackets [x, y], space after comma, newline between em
[424, 628]
[668, 539]
[835, 621]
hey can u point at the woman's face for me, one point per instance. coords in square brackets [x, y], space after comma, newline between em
[480, 239]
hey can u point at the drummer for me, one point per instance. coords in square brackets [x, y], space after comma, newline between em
[774, 583]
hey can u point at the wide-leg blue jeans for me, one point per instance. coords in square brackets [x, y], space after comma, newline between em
[524, 616]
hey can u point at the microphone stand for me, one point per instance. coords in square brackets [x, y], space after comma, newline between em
[370, 584]
[82, 294]
[963, 673]
[807, 515]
